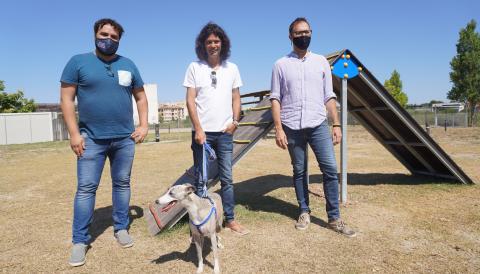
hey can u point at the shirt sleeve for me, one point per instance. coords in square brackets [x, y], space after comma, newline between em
[189, 81]
[70, 72]
[327, 82]
[237, 82]
[137, 79]
[275, 85]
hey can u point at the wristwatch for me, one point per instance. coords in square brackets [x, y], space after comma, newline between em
[235, 123]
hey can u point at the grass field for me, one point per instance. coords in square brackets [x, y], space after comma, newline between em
[404, 223]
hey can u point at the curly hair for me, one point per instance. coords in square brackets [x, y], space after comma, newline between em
[212, 28]
[107, 21]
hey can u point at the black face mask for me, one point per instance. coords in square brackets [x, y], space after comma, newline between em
[106, 46]
[302, 42]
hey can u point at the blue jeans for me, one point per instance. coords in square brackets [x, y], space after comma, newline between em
[120, 152]
[320, 141]
[222, 143]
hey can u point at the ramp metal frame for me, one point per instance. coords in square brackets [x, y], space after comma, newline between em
[373, 106]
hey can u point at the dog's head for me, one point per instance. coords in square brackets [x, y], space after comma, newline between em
[174, 194]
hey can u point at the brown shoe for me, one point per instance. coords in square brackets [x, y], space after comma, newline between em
[342, 228]
[237, 228]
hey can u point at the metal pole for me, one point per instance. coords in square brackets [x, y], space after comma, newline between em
[343, 148]
[157, 133]
[466, 117]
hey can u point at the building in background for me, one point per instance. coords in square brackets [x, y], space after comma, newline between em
[173, 111]
[48, 107]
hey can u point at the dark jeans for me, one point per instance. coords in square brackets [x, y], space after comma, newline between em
[222, 143]
[320, 141]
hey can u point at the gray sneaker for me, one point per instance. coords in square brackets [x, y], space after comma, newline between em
[78, 254]
[123, 238]
[342, 228]
[303, 221]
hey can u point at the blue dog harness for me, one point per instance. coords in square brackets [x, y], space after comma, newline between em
[213, 210]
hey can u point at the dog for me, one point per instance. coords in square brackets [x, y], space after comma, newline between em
[205, 215]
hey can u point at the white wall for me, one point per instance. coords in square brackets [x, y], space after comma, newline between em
[21, 128]
[152, 98]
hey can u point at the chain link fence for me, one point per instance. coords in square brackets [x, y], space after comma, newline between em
[423, 116]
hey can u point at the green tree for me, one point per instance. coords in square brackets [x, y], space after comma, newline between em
[394, 87]
[465, 74]
[14, 102]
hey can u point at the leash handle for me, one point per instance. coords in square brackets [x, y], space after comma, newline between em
[208, 154]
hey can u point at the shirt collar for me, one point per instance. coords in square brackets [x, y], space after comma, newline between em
[293, 54]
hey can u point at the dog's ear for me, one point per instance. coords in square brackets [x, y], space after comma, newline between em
[191, 189]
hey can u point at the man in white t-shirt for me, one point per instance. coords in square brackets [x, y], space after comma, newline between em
[213, 102]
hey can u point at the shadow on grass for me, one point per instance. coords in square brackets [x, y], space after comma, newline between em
[189, 255]
[253, 193]
[387, 179]
[102, 219]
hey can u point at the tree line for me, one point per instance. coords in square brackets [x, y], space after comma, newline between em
[14, 102]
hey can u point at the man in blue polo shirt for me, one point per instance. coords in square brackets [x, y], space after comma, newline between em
[103, 83]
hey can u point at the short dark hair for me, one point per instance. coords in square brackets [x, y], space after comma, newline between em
[212, 28]
[107, 21]
[297, 20]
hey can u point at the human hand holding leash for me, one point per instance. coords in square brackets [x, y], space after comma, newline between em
[200, 136]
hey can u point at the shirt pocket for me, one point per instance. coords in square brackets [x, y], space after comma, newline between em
[124, 78]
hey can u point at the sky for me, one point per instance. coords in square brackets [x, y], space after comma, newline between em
[417, 38]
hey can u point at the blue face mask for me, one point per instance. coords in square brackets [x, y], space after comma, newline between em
[106, 46]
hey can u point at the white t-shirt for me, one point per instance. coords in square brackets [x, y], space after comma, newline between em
[213, 102]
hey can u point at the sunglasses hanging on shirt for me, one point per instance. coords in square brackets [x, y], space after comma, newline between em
[213, 76]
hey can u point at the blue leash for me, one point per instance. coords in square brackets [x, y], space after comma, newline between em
[208, 155]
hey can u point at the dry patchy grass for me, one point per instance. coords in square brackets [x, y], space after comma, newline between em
[404, 223]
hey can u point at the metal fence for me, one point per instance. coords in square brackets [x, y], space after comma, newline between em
[428, 117]
[17, 128]
[442, 118]
[422, 116]
[59, 128]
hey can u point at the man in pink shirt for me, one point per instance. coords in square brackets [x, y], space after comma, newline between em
[301, 96]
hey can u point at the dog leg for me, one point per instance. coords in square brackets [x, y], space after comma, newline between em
[216, 265]
[198, 239]
[219, 244]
